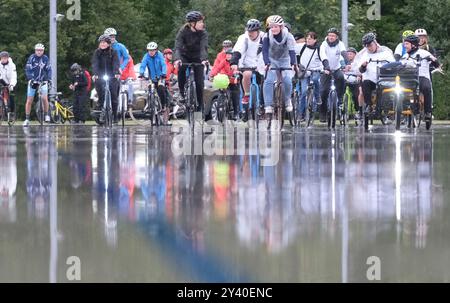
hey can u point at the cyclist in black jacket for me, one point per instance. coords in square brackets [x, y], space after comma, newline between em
[191, 46]
[106, 62]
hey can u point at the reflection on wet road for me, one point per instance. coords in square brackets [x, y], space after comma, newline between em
[133, 211]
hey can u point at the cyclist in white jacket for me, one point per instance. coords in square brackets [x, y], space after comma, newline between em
[331, 52]
[8, 77]
[372, 51]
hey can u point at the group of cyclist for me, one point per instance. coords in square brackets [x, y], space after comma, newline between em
[298, 57]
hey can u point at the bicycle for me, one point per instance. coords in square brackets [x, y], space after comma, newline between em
[349, 106]
[40, 107]
[60, 111]
[311, 103]
[332, 103]
[5, 114]
[190, 92]
[106, 114]
[122, 106]
[279, 104]
[221, 109]
[254, 102]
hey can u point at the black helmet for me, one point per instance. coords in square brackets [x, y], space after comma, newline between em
[413, 39]
[253, 25]
[333, 30]
[288, 26]
[4, 54]
[194, 16]
[104, 38]
[368, 38]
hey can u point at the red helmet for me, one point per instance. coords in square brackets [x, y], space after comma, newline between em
[168, 51]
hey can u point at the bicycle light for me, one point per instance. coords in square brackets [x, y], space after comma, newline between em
[398, 88]
[105, 77]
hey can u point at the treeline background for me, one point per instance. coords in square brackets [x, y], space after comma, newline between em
[24, 23]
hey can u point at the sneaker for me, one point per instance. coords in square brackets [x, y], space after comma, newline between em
[428, 116]
[11, 117]
[245, 99]
[269, 109]
[26, 122]
[289, 107]
[47, 119]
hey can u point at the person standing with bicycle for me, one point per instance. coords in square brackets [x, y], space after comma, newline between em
[247, 53]
[373, 51]
[191, 46]
[79, 86]
[157, 71]
[8, 78]
[38, 70]
[105, 62]
[331, 51]
[310, 60]
[353, 77]
[278, 52]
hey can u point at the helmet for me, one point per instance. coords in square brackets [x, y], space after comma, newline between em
[105, 38]
[194, 16]
[4, 54]
[420, 32]
[110, 32]
[288, 26]
[407, 33]
[352, 49]
[253, 25]
[333, 30]
[275, 20]
[39, 46]
[221, 81]
[168, 51]
[227, 43]
[368, 38]
[413, 39]
[152, 46]
[75, 67]
[268, 20]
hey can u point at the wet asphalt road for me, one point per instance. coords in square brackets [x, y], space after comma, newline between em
[142, 205]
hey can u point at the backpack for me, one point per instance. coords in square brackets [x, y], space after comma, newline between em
[89, 80]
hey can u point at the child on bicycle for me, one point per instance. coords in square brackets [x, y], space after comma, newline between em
[224, 67]
[278, 52]
[191, 46]
[154, 62]
[310, 60]
[8, 77]
[79, 86]
[38, 69]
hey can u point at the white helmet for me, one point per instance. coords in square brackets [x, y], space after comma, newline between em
[39, 46]
[152, 46]
[420, 32]
[110, 32]
[277, 20]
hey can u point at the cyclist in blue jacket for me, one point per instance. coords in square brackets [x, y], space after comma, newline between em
[37, 69]
[121, 50]
[155, 63]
